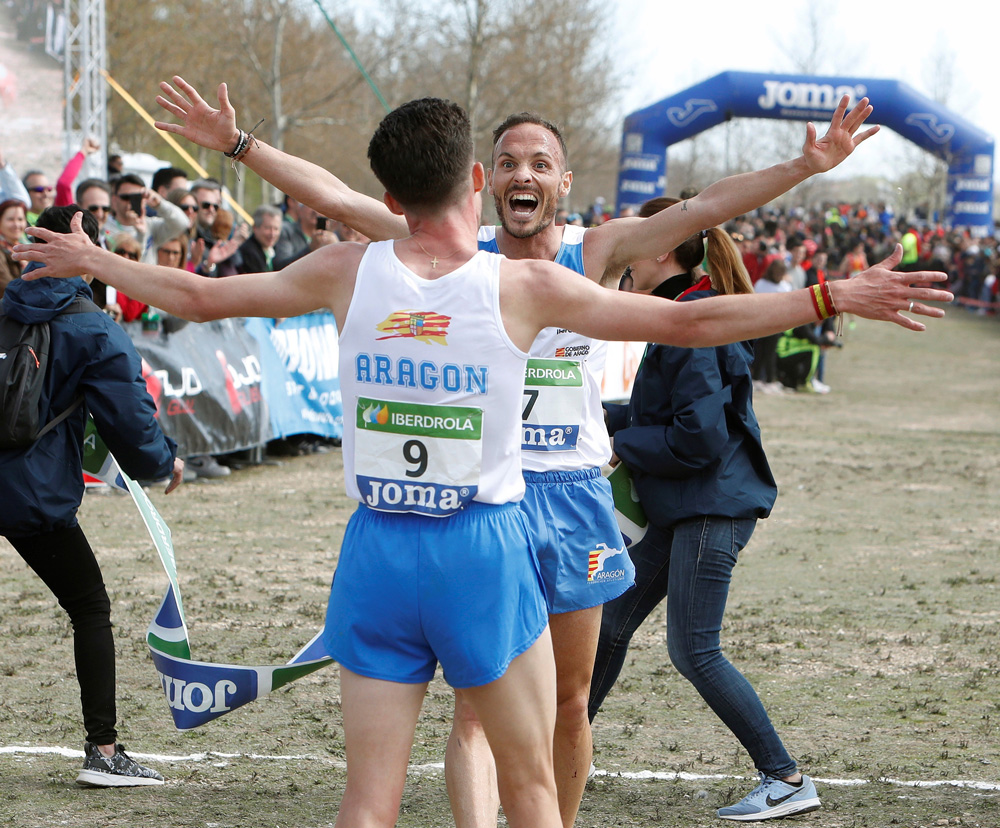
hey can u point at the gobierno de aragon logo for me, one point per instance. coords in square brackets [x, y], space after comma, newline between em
[424, 326]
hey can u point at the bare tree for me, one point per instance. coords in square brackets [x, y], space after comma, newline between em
[282, 62]
[698, 161]
[811, 44]
[939, 71]
[818, 45]
[923, 181]
[300, 80]
[815, 44]
[497, 57]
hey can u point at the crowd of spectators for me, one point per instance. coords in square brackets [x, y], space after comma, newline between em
[785, 249]
[843, 239]
[839, 241]
[174, 222]
[855, 235]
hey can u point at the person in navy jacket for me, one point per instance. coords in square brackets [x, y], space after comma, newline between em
[41, 486]
[690, 439]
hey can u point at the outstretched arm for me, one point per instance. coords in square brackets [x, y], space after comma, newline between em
[324, 279]
[304, 181]
[613, 246]
[564, 300]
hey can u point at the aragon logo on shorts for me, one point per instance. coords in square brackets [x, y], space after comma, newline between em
[598, 558]
[425, 326]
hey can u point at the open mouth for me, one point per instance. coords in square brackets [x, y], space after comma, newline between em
[522, 204]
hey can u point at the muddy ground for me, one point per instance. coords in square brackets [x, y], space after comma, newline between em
[865, 611]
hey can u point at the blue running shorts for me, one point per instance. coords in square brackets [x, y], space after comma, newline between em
[410, 591]
[580, 548]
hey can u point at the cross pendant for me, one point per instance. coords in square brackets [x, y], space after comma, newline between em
[434, 262]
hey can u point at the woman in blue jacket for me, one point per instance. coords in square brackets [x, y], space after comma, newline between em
[41, 486]
[691, 440]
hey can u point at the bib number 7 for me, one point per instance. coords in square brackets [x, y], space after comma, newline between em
[555, 404]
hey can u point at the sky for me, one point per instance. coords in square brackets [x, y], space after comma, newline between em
[666, 46]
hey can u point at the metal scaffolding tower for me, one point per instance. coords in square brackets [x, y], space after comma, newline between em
[84, 64]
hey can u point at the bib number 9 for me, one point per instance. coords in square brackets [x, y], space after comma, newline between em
[415, 453]
[411, 457]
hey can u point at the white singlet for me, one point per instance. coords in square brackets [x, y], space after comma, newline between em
[432, 387]
[563, 428]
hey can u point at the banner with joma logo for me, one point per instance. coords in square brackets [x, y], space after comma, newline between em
[196, 691]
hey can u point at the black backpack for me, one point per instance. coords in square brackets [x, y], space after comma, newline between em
[24, 357]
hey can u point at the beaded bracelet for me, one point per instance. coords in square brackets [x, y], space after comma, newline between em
[242, 146]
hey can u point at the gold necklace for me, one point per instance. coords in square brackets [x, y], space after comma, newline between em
[434, 259]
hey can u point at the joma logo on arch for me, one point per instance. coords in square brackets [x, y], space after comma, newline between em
[790, 95]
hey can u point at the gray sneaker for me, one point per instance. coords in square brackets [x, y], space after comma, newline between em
[120, 771]
[204, 465]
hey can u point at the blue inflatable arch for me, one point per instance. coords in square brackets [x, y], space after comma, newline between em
[967, 149]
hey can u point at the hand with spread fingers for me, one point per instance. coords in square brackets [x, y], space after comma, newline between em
[62, 257]
[885, 294]
[222, 250]
[840, 139]
[201, 124]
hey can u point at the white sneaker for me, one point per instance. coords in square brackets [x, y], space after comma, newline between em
[820, 387]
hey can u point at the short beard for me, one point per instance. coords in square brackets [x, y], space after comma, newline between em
[525, 232]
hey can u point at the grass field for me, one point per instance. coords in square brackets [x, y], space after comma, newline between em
[865, 611]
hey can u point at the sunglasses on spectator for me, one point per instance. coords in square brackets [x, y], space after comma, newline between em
[168, 251]
[128, 254]
[93, 208]
[47, 189]
[189, 208]
[209, 205]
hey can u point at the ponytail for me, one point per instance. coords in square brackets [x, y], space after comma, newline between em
[725, 265]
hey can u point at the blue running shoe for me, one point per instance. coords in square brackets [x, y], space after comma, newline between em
[773, 798]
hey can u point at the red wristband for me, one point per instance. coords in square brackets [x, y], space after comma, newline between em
[828, 297]
[819, 302]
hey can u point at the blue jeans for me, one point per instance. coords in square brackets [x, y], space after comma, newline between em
[691, 566]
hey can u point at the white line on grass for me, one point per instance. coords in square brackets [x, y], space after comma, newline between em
[694, 777]
[217, 758]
